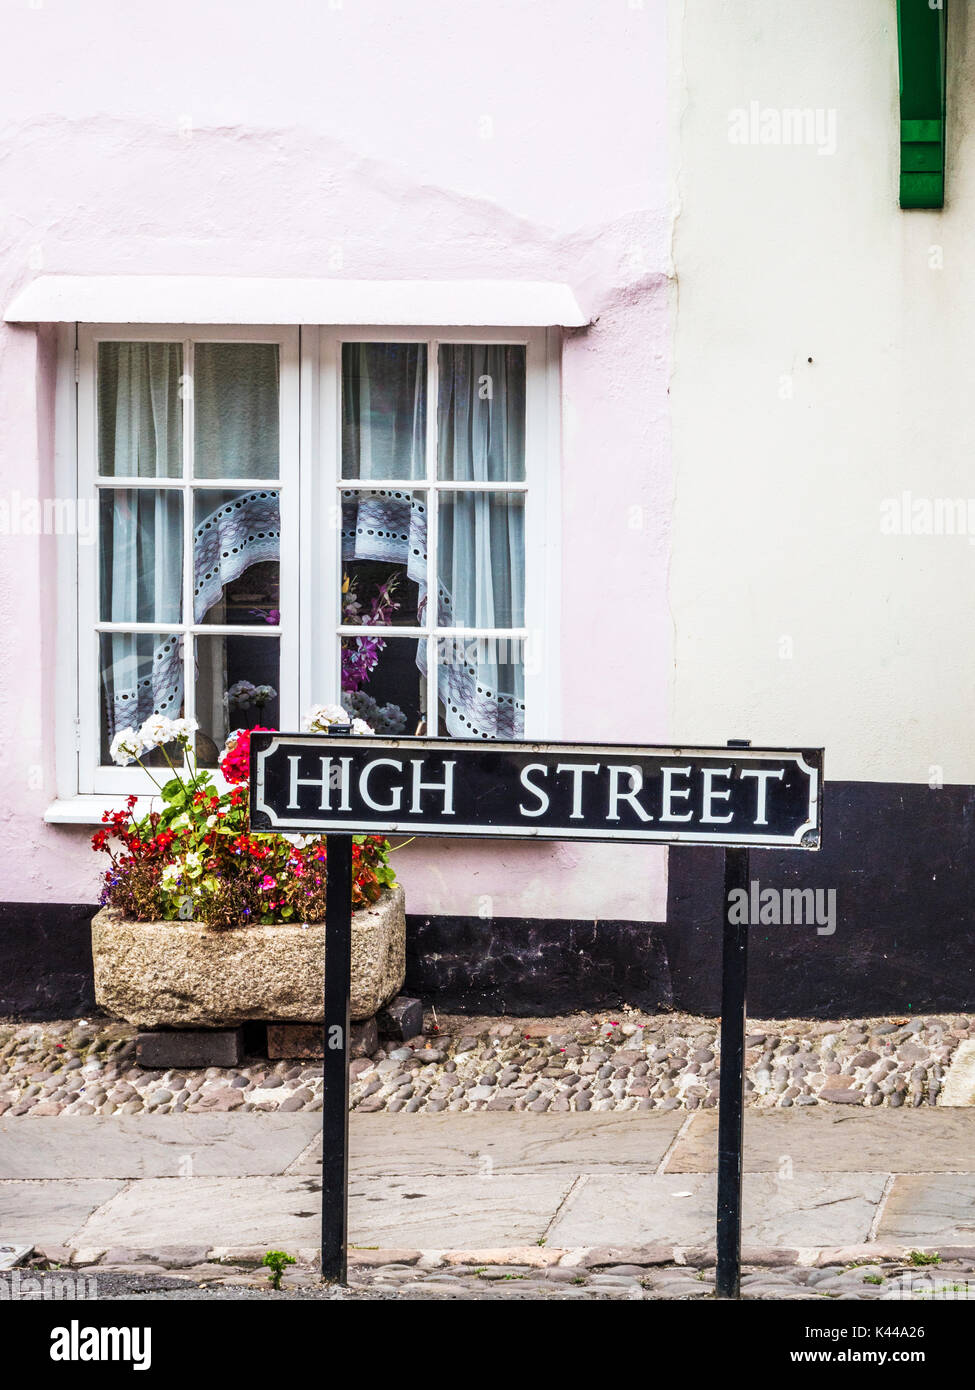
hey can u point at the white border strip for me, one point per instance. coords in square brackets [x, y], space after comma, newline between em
[228, 299]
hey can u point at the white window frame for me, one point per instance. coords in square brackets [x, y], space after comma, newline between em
[310, 483]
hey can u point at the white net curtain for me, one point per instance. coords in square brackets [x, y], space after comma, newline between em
[481, 543]
[141, 532]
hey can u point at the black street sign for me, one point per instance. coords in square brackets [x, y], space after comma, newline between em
[738, 797]
[748, 797]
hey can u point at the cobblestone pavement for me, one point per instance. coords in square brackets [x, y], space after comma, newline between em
[626, 1061]
[951, 1281]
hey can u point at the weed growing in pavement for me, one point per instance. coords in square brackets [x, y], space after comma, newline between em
[918, 1257]
[275, 1261]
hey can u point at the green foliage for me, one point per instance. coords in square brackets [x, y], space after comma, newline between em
[276, 1261]
[196, 859]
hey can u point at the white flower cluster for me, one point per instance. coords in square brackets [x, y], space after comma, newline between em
[321, 717]
[129, 744]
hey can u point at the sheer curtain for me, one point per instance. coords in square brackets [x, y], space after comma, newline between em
[236, 434]
[481, 535]
[384, 437]
[140, 435]
[480, 427]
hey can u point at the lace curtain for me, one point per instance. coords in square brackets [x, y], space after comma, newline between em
[481, 562]
[142, 529]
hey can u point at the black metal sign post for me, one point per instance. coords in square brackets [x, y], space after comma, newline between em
[736, 797]
[731, 1094]
[335, 1066]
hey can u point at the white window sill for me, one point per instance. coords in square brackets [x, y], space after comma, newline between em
[87, 810]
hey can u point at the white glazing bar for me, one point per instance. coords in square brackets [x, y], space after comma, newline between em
[403, 484]
[433, 606]
[168, 628]
[289, 559]
[386, 630]
[331, 406]
[431, 695]
[199, 629]
[189, 664]
[308, 549]
[121, 480]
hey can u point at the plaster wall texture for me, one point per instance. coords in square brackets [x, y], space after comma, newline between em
[375, 141]
[821, 367]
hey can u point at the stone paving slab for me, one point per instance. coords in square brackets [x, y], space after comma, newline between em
[37, 1213]
[503, 1143]
[808, 1210]
[136, 1146]
[483, 1180]
[930, 1210]
[959, 1083]
[825, 1141]
[150, 1146]
[283, 1211]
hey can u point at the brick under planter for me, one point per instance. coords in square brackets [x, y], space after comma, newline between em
[183, 974]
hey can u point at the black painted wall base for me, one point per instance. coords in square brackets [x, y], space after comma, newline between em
[901, 859]
[524, 966]
[45, 960]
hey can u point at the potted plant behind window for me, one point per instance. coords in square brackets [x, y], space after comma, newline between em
[204, 924]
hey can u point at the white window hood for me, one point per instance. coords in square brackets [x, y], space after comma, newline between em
[227, 299]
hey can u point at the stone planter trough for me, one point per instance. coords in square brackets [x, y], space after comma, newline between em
[185, 975]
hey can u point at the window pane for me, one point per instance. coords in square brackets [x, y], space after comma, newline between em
[384, 410]
[236, 552]
[141, 555]
[481, 559]
[481, 687]
[481, 413]
[140, 420]
[382, 682]
[237, 683]
[140, 674]
[384, 556]
[235, 410]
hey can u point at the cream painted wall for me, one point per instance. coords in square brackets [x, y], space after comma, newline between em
[782, 463]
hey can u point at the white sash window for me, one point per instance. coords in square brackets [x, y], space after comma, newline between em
[289, 516]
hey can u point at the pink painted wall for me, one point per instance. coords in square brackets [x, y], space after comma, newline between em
[510, 139]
